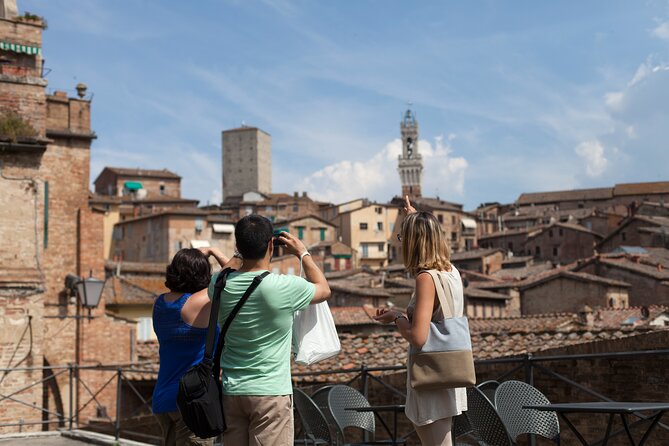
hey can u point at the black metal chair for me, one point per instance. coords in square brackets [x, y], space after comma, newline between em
[341, 398]
[489, 388]
[510, 398]
[485, 421]
[313, 420]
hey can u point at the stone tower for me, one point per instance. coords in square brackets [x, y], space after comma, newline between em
[410, 165]
[247, 161]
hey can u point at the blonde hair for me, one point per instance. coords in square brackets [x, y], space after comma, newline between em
[424, 245]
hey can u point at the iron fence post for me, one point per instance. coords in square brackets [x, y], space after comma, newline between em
[365, 383]
[119, 383]
[71, 370]
[529, 370]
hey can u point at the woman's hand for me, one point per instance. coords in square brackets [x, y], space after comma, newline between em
[408, 209]
[386, 316]
[293, 244]
[206, 251]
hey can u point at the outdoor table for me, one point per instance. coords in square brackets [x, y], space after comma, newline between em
[394, 408]
[607, 407]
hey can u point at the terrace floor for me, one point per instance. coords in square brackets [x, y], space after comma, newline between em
[73, 438]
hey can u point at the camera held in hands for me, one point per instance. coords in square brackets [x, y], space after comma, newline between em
[275, 237]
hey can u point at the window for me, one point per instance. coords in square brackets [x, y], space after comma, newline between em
[555, 251]
[365, 251]
[623, 236]
[300, 232]
[268, 208]
[379, 226]
[382, 247]
[363, 226]
[537, 251]
[510, 246]
[248, 210]
[322, 230]
[440, 217]
[144, 329]
[452, 219]
[378, 210]
[177, 246]
[198, 225]
[296, 208]
[550, 233]
[162, 188]
[454, 236]
[560, 232]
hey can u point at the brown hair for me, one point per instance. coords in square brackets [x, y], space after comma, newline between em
[424, 245]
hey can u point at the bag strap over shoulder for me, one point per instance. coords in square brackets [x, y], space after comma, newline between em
[221, 341]
[213, 314]
[447, 304]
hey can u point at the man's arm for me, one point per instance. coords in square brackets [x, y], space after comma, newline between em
[312, 273]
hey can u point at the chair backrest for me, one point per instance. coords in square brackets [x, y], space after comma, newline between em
[461, 426]
[510, 398]
[340, 398]
[313, 420]
[484, 419]
[489, 388]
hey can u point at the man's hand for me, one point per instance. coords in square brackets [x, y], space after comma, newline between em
[293, 244]
[408, 209]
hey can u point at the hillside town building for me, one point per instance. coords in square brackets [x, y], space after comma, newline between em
[247, 161]
[48, 231]
[410, 162]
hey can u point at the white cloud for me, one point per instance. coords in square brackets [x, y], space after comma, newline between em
[377, 177]
[662, 31]
[592, 152]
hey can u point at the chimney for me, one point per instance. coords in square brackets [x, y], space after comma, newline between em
[296, 194]
[586, 316]
[304, 195]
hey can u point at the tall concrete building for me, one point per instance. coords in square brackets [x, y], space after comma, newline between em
[410, 165]
[247, 162]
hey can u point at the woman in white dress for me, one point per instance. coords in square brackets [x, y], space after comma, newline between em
[425, 247]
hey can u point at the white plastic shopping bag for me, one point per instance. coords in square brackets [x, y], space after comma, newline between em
[314, 334]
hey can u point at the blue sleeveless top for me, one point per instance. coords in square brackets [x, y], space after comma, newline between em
[181, 347]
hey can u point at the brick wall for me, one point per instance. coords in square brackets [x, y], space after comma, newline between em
[645, 290]
[561, 245]
[567, 295]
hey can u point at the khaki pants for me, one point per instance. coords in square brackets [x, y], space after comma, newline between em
[435, 434]
[258, 420]
[176, 433]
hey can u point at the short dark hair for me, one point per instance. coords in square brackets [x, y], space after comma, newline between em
[189, 272]
[253, 234]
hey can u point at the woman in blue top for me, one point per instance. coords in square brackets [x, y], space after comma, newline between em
[180, 320]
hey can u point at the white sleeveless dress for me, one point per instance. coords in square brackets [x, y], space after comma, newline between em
[427, 406]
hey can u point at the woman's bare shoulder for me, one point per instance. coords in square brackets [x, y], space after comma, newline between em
[198, 300]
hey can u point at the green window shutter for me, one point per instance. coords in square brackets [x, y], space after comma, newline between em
[322, 234]
[300, 232]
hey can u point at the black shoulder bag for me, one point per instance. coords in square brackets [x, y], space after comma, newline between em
[200, 396]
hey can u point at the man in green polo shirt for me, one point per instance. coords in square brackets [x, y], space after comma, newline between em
[257, 389]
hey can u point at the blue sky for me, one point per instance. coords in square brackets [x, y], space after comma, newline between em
[510, 97]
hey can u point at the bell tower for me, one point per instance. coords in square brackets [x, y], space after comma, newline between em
[410, 162]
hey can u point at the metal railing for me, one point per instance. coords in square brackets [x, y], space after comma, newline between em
[76, 405]
[126, 376]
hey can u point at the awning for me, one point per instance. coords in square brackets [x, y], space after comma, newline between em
[26, 49]
[223, 228]
[199, 244]
[132, 185]
[468, 223]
